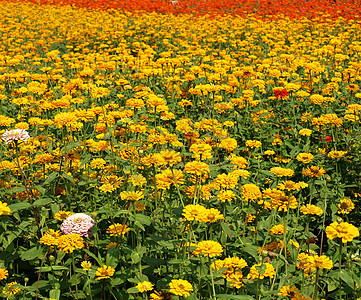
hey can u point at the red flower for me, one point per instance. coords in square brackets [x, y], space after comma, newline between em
[281, 93]
[328, 138]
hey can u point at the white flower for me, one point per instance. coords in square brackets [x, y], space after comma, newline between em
[78, 223]
[15, 135]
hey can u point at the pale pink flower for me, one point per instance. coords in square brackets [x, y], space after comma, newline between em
[78, 223]
[15, 135]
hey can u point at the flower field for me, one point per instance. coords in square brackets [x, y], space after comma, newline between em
[180, 150]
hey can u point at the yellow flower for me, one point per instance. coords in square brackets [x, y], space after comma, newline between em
[236, 279]
[210, 248]
[345, 206]
[196, 167]
[226, 195]
[288, 291]
[320, 262]
[86, 265]
[167, 157]
[342, 230]
[253, 144]
[132, 195]
[194, 212]
[144, 286]
[3, 274]
[162, 295]
[282, 171]
[251, 192]
[269, 152]
[112, 244]
[97, 163]
[180, 287]
[51, 238]
[104, 272]
[310, 209]
[11, 288]
[211, 215]
[69, 242]
[117, 229]
[305, 132]
[304, 157]
[261, 271]
[336, 154]
[314, 171]
[62, 215]
[277, 229]
[4, 209]
[289, 185]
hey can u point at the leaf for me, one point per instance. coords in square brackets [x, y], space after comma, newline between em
[136, 258]
[143, 219]
[132, 290]
[42, 202]
[68, 177]
[91, 254]
[54, 294]
[112, 257]
[51, 178]
[251, 249]
[234, 297]
[17, 189]
[49, 269]
[346, 277]
[35, 252]
[18, 206]
[226, 229]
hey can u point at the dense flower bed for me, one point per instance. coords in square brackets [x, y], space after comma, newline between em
[260, 8]
[161, 156]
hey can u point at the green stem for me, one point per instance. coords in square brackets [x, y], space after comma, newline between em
[339, 270]
[76, 283]
[212, 279]
[315, 289]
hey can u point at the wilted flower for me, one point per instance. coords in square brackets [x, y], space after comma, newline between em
[78, 223]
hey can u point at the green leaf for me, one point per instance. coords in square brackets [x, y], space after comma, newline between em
[112, 257]
[18, 206]
[136, 258]
[143, 219]
[91, 254]
[54, 294]
[132, 290]
[251, 249]
[32, 253]
[49, 269]
[42, 202]
[234, 297]
[17, 189]
[68, 177]
[346, 277]
[51, 178]
[226, 229]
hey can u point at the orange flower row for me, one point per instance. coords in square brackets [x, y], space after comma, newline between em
[260, 8]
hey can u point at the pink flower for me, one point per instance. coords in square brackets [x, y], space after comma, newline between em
[15, 135]
[78, 223]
